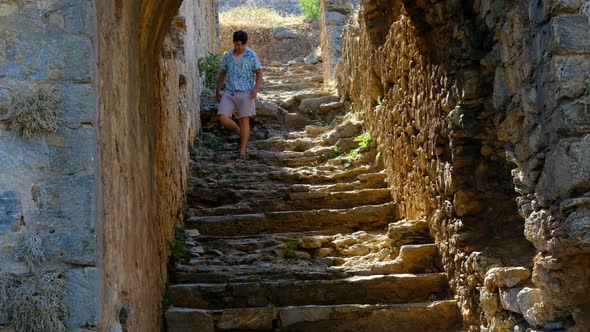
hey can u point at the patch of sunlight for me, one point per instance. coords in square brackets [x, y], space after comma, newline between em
[248, 16]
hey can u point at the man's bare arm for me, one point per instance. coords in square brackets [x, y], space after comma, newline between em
[258, 83]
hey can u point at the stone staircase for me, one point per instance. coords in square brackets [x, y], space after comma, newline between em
[293, 239]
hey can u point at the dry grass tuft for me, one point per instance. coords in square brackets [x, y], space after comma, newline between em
[251, 16]
[31, 249]
[35, 114]
[35, 303]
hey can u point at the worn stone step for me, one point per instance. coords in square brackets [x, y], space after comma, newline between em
[401, 288]
[362, 181]
[437, 316]
[282, 221]
[254, 175]
[290, 86]
[297, 256]
[418, 258]
[261, 201]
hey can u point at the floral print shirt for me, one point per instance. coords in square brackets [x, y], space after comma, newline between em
[241, 75]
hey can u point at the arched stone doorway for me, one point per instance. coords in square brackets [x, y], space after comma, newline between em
[147, 105]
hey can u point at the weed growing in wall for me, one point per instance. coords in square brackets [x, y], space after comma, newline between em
[363, 141]
[209, 68]
[310, 8]
[35, 114]
[31, 249]
[34, 303]
[177, 249]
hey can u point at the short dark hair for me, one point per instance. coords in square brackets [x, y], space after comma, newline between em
[241, 36]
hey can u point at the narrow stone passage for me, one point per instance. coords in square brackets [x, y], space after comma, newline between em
[298, 239]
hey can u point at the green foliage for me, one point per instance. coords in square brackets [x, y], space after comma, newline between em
[291, 245]
[335, 153]
[177, 250]
[379, 101]
[35, 303]
[310, 8]
[209, 68]
[35, 113]
[364, 140]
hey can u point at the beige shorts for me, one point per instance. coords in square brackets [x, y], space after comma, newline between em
[240, 101]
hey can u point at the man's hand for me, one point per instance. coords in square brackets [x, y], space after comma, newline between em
[253, 94]
[218, 95]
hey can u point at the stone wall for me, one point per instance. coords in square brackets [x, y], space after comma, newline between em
[479, 109]
[334, 14]
[148, 111]
[48, 183]
[97, 200]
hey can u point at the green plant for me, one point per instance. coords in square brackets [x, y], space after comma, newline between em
[334, 153]
[364, 140]
[291, 246]
[310, 8]
[35, 113]
[209, 68]
[379, 101]
[177, 250]
[34, 303]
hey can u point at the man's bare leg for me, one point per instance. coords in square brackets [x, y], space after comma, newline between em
[229, 124]
[244, 134]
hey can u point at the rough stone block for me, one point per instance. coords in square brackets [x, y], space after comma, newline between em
[294, 315]
[577, 226]
[505, 277]
[10, 210]
[71, 198]
[541, 10]
[79, 59]
[408, 232]
[334, 18]
[70, 150]
[567, 170]
[20, 156]
[569, 34]
[78, 104]
[259, 319]
[490, 304]
[189, 320]
[567, 78]
[72, 248]
[526, 300]
[81, 297]
[571, 119]
[508, 299]
[312, 105]
[78, 18]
